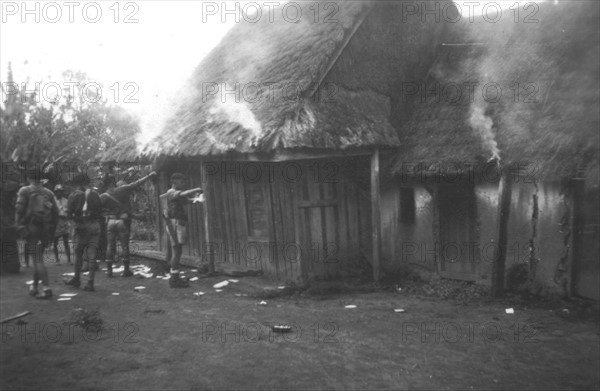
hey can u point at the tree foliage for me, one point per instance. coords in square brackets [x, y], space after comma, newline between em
[67, 125]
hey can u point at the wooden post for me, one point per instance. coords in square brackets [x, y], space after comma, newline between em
[576, 226]
[375, 213]
[207, 199]
[498, 268]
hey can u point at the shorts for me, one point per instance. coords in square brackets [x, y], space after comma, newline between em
[63, 228]
[180, 236]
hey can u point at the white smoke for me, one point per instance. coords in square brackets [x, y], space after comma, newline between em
[483, 124]
[240, 113]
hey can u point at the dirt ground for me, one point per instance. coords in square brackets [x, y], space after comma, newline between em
[168, 339]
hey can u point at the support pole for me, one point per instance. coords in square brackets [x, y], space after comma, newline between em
[207, 201]
[499, 265]
[375, 214]
[577, 218]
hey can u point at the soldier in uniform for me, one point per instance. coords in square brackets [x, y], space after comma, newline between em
[36, 216]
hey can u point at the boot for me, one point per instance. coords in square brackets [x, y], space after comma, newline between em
[46, 294]
[74, 282]
[177, 282]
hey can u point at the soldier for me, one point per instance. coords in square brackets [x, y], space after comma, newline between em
[117, 206]
[176, 221]
[85, 208]
[36, 216]
[62, 229]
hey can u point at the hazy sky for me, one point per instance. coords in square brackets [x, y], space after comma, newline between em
[155, 53]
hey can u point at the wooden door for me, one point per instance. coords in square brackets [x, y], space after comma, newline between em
[321, 222]
[457, 224]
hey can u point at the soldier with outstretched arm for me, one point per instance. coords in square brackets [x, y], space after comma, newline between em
[116, 203]
[176, 222]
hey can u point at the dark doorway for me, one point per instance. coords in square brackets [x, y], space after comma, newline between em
[458, 241]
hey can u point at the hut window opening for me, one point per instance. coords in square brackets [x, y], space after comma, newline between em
[256, 212]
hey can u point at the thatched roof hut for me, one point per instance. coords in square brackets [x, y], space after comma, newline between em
[277, 69]
[548, 114]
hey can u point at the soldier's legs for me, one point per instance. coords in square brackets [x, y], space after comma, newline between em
[123, 230]
[111, 243]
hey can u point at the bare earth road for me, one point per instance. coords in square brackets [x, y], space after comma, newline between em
[166, 339]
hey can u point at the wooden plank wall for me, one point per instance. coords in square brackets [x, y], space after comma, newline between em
[316, 224]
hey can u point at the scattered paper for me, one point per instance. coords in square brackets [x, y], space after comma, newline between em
[262, 303]
[115, 293]
[68, 274]
[509, 311]
[139, 288]
[221, 284]
[399, 310]
[350, 306]
[64, 299]
[194, 270]
[198, 293]
[280, 287]
[234, 280]
[218, 290]
[68, 294]
[86, 273]
[194, 279]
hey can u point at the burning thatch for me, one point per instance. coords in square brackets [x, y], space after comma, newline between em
[530, 95]
[255, 92]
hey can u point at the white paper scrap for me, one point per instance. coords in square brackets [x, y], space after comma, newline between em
[221, 284]
[350, 306]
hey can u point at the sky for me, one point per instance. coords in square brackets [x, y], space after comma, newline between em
[155, 53]
[149, 48]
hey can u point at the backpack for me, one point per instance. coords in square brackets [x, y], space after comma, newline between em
[39, 206]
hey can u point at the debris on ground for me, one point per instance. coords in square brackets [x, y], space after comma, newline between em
[446, 288]
[139, 288]
[400, 310]
[509, 310]
[198, 293]
[14, 317]
[221, 284]
[154, 311]
[350, 306]
[63, 299]
[89, 320]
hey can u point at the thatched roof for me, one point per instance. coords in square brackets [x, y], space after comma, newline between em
[552, 124]
[288, 61]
